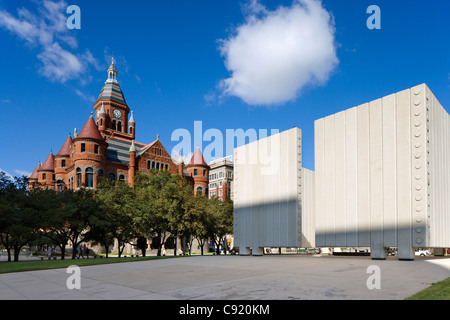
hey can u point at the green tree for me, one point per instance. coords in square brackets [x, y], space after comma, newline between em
[18, 222]
[220, 221]
[50, 207]
[117, 200]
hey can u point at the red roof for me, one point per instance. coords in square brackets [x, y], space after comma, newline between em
[197, 158]
[34, 175]
[90, 130]
[65, 149]
[49, 164]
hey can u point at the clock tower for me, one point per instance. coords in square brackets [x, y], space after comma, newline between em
[112, 111]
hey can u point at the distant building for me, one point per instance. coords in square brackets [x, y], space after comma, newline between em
[221, 178]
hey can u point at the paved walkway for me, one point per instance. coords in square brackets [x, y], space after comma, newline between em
[232, 277]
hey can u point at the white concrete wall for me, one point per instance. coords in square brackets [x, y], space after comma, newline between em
[438, 121]
[273, 202]
[374, 186]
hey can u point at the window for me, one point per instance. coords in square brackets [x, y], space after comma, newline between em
[114, 125]
[220, 192]
[204, 173]
[148, 165]
[100, 173]
[78, 178]
[166, 166]
[213, 176]
[112, 176]
[83, 147]
[63, 163]
[230, 175]
[44, 176]
[199, 191]
[153, 164]
[89, 177]
[96, 149]
[119, 126]
[122, 178]
[157, 166]
[195, 172]
[220, 184]
[212, 194]
[220, 174]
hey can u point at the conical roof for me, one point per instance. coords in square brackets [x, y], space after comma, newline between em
[49, 163]
[65, 149]
[34, 175]
[197, 158]
[90, 130]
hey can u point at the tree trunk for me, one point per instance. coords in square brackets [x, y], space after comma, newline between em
[175, 246]
[63, 252]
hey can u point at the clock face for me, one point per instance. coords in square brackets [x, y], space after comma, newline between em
[117, 113]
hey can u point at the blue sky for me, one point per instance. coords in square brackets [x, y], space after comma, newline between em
[173, 66]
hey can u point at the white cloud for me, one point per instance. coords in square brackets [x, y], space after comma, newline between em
[22, 172]
[47, 31]
[275, 54]
[9, 176]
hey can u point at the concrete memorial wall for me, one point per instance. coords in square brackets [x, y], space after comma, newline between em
[382, 179]
[382, 175]
[273, 199]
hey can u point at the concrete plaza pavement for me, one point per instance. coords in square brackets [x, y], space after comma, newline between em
[232, 278]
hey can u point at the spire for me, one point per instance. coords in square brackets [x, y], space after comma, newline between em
[180, 159]
[75, 135]
[197, 158]
[49, 163]
[111, 90]
[131, 118]
[132, 147]
[102, 109]
[34, 175]
[65, 149]
[112, 72]
[90, 130]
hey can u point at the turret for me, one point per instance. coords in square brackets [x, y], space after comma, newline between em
[132, 166]
[198, 169]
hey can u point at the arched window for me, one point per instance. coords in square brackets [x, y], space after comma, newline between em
[122, 178]
[153, 164]
[157, 166]
[114, 125]
[79, 178]
[112, 177]
[199, 191]
[119, 126]
[148, 165]
[166, 166]
[100, 173]
[89, 178]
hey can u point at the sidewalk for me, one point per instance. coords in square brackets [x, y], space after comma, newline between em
[233, 277]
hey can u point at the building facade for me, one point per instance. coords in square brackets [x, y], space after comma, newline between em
[106, 147]
[221, 178]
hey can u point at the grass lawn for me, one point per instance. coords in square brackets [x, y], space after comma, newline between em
[6, 267]
[438, 291]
